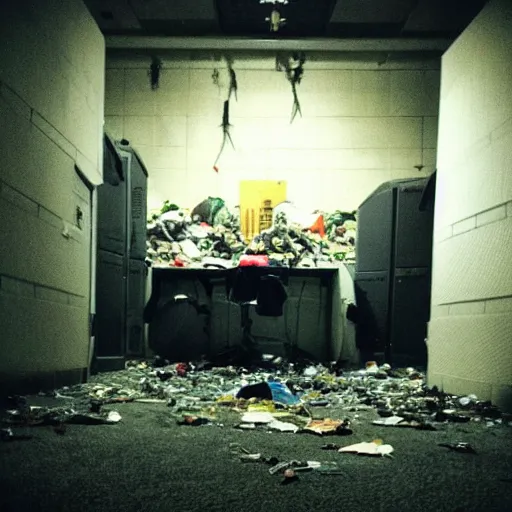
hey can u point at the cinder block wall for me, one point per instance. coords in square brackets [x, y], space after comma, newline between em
[363, 123]
[470, 332]
[51, 112]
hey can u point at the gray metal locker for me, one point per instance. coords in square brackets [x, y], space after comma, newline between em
[121, 275]
[372, 298]
[374, 244]
[112, 201]
[138, 207]
[110, 311]
[135, 309]
[413, 243]
[410, 307]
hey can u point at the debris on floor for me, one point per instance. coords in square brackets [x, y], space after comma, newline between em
[390, 420]
[289, 476]
[328, 426]
[459, 447]
[282, 426]
[271, 395]
[397, 421]
[57, 416]
[7, 434]
[193, 421]
[331, 446]
[375, 448]
[260, 391]
[257, 417]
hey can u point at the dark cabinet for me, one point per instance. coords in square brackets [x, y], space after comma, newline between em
[110, 314]
[121, 250]
[393, 272]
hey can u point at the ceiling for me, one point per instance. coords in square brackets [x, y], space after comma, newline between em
[340, 19]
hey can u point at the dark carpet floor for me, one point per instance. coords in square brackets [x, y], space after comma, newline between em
[148, 463]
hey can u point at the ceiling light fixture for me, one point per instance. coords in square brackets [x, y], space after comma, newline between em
[275, 20]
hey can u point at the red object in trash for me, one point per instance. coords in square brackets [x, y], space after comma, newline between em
[253, 260]
[318, 226]
[181, 369]
[178, 263]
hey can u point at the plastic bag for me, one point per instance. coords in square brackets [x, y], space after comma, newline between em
[281, 394]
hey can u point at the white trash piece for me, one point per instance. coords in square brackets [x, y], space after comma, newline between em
[190, 249]
[392, 420]
[283, 426]
[311, 371]
[113, 417]
[379, 450]
[257, 417]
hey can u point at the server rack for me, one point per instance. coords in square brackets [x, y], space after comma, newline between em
[393, 273]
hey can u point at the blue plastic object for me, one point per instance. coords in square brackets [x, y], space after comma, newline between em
[282, 394]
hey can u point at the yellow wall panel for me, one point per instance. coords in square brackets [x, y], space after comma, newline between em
[255, 195]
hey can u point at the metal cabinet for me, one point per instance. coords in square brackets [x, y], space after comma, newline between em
[393, 269]
[121, 269]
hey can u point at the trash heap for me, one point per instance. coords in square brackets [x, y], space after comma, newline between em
[290, 244]
[210, 235]
[341, 231]
[287, 245]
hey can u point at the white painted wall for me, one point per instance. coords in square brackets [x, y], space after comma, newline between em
[363, 124]
[470, 331]
[51, 117]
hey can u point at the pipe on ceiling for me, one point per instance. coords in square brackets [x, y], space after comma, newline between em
[317, 45]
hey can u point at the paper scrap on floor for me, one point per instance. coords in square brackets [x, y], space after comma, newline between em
[283, 426]
[392, 420]
[325, 426]
[375, 448]
[257, 417]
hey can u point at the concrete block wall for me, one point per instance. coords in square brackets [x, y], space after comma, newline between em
[363, 123]
[51, 112]
[469, 341]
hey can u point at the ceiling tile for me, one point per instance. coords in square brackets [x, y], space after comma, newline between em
[450, 16]
[174, 9]
[113, 14]
[372, 11]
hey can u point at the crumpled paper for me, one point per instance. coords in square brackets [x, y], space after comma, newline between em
[327, 426]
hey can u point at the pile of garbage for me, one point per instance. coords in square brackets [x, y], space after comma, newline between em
[291, 244]
[399, 396]
[210, 236]
[272, 395]
[341, 231]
